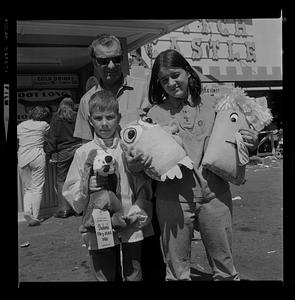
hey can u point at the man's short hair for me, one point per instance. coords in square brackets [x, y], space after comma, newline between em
[105, 40]
[102, 101]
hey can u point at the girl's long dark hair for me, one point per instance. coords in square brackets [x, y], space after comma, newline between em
[66, 109]
[172, 59]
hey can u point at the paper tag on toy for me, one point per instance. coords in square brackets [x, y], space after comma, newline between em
[103, 228]
[243, 153]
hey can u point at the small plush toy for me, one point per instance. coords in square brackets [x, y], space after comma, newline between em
[100, 163]
[148, 138]
[226, 154]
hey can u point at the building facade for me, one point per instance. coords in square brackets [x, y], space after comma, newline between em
[245, 53]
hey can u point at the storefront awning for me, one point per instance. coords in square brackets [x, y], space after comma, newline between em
[61, 45]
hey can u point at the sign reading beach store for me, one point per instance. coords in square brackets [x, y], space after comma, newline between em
[210, 39]
[26, 99]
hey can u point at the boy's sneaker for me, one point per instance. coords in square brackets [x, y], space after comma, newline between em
[34, 222]
[31, 221]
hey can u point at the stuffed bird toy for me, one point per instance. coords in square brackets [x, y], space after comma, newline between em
[150, 139]
[226, 154]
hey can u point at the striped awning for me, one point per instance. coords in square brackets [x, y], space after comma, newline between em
[243, 73]
[203, 77]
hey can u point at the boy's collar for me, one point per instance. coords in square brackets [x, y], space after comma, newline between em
[100, 142]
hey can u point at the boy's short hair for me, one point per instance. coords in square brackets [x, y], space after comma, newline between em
[103, 100]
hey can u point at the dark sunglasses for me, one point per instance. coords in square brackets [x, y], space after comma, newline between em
[106, 60]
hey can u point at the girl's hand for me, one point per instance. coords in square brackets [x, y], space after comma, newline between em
[250, 138]
[118, 220]
[137, 216]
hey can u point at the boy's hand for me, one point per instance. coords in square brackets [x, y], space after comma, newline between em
[97, 183]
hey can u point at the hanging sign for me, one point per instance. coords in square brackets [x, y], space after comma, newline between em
[41, 95]
[48, 80]
[27, 99]
[215, 89]
[213, 40]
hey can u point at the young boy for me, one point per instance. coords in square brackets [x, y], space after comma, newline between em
[135, 193]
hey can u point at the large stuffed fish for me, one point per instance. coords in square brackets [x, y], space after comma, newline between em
[226, 154]
[148, 138]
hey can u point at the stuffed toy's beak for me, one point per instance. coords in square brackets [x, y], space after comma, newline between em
[243, 154]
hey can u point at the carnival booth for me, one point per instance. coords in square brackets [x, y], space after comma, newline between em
[53, 60]
[43, 90]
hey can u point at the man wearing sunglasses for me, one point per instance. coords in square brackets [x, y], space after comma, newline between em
[106, 53]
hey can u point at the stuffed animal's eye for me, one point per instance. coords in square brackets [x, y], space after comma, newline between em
[108, 159]
[234, 117]
[129, 135]
[147, 120]
[251, 127]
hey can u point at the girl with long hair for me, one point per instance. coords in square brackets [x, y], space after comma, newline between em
[200, 200]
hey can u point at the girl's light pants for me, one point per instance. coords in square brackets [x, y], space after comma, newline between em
[33, 178]
[213, 220]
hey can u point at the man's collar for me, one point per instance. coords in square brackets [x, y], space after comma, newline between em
[125, 83]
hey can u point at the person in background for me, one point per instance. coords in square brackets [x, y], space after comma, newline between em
[200, 199]
[134, 192]
[32, 161]
[90, 83]
[106, 54]
[61, 143]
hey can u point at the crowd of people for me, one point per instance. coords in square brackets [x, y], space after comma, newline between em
[155, 215]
